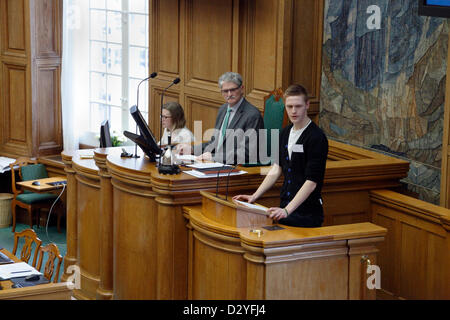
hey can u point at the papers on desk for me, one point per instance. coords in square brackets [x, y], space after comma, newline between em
[185, 157]
[4, 163]
[256, 208]
[202, 175]
[16, 270]
[206, 165]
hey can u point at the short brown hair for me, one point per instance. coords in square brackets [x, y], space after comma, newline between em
[296, 90]
[177, 114]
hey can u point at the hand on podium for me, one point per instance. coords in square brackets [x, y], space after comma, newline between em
[244, 197]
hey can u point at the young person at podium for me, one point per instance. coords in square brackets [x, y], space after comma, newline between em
[174, 123]
[302, 160]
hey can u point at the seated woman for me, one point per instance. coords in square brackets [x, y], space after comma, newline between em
[173, 122]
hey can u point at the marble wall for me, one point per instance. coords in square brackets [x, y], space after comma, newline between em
[383, 83]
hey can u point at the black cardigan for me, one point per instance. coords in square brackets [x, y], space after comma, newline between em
[307, 165]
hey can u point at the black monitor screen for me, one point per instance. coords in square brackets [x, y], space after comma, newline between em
[434, 8]
[105, 137]
[146, 141]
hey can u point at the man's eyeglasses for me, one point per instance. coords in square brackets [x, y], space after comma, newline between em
[165, 117]
[232, 90]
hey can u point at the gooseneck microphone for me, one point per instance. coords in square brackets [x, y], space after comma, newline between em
[228, 179]
[171, 169]
[153, 75]
[217, 184]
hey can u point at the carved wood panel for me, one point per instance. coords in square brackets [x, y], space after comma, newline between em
[13, 25]
[14, 103]
[198, 40]
[47, 23]
[30, 78]
[165, 38]
[209, 41]
[203, 110]
[49, 120]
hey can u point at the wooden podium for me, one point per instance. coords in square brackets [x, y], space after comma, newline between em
[126, 222]
[228, 213]
[232, 256]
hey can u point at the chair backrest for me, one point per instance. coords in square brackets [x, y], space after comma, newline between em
[29, 169]
[49, 268]
[275, 116]
[30, 237]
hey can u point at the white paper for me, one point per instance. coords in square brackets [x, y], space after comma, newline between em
[185, 157]
[251, 205]
[4, 163]
[206, 165]
[16, 270]
[202, 175]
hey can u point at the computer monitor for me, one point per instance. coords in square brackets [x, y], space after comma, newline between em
[434, 8]
[146, 140]
[105, 137]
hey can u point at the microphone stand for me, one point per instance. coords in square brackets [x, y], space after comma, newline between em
[166, 169]
[217, 178]
[228, 179]
[154, 74]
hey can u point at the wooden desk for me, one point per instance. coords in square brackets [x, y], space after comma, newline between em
[44, 186]
[231, 262]
[49, 291]
[125, 221]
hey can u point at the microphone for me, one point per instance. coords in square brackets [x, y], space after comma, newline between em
[171, 169]
[153, 75]
[228, 179]
[217, 178]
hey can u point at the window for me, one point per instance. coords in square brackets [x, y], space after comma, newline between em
[118, 61]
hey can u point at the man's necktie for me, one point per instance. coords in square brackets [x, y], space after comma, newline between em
[224, 128]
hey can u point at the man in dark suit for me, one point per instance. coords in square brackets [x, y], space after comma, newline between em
[235, 139]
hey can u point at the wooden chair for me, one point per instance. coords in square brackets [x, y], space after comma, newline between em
[30, 201]
[30, 237]
[49, 269]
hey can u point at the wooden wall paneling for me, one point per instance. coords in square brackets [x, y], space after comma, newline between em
[165, 38]
[445, 166]
[48, 127]
[198, 108]
[415, 257]
[45, 26]
[261, 49]
[14, 27]
[16, 112]
[209, 42]
[345, 207]
[413, 262]
[387, 259]
[306, 58]
[31, 39]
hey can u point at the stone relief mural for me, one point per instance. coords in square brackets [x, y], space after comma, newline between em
[383, 83]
